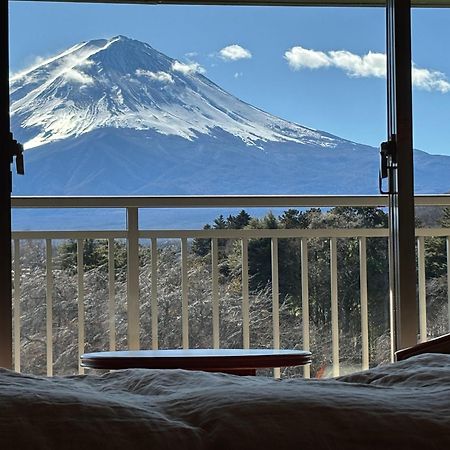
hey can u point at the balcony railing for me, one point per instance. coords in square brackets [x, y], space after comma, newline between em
[132, 235]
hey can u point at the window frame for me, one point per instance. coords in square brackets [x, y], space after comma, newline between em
[402, 225]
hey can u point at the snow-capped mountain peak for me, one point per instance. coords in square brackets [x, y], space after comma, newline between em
[125, 83]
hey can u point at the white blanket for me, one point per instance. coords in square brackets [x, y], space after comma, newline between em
[401, 406]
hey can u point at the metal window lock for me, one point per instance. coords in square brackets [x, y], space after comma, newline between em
[16, 151]
[387, 157]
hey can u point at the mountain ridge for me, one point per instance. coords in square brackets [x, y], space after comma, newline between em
[132, 85]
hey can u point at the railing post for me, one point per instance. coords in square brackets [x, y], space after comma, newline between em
[422, 289]
[133, 278]
[111, 295]
[80, 279]
[49, 302]
[305, 300]
[245, 296]
[184, 295]
[448, 278]
[363, 299]
[275, 301]
[215, 292]
[154, 304]
[17, 288]
[391, 308]
[334, 307]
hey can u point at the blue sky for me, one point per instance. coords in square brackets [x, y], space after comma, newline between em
[320, 67]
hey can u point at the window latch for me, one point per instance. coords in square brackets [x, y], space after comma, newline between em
[16, 151]
[387, 159]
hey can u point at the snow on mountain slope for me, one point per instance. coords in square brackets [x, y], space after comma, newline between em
[124, 83]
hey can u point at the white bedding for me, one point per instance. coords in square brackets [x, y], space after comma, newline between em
[401, 406]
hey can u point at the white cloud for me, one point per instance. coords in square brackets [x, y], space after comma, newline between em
[299, 58]
[76, 76]
[368, 65]
[65, 65]
[234, 52]
[191, 67]
[160, 76]
[38, 61]
[430, 80]
[238, 74]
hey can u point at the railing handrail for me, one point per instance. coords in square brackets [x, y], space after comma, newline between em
[198, 201]
[250, 233]
[214, 201]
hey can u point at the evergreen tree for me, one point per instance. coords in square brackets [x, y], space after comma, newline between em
[220, 223]
[445, 220]
[239, 221]
[95, 254]
[202, 247]
[290, 219]
[270, 221]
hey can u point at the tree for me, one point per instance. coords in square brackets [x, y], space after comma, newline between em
[95, 254]
[239, 221]
[202, 247]
[445, 220]
[220, 223]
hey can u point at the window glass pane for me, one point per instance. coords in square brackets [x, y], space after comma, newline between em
[155, 100]
[114, 100]
[431, 111]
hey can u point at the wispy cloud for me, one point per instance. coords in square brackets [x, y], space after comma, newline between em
[160, 76]
[69, 66]
[234, 53]
[188, 68]
[37, 61]
[371, 64]
[77, 76]
[238, 74]
[430, 80]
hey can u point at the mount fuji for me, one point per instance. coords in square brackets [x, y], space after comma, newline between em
[117, 117]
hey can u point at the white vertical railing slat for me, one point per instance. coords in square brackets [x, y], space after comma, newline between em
[422, 289]
[391, 310]
[80, 279]
[334, 307]
[184, 294]
[133, 278]
[17, 289]
[245, 296]
[154, 300]
[364, 302]
[305, 300]
[275, 300]
[448, 278]
[111, 295]
[215, 292]
[49, 305]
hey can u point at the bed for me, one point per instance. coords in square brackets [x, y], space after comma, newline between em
[405, 405]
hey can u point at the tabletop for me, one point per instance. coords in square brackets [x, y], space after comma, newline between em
[241, 361]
